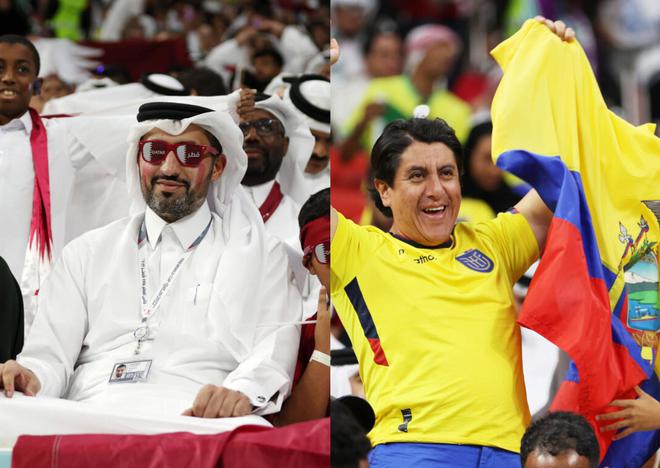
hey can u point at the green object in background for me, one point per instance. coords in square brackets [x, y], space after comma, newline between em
[66, 22]
[517, 12]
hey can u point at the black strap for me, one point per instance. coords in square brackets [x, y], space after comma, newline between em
[169, 110]
[156, 88]
[301, 102]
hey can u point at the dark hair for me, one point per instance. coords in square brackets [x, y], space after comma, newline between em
[397, 136]
[348, 442]
[316, 206]
[476, 134]
[374, 34]
[214, 141]
[270, 52]
[16, 39]
[117, 73]
[203, 80]
[559, 432]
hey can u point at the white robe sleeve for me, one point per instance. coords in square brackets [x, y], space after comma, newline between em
[265, 376]
[298, 48]
[56, 337]
[224, 57]
[120, 13]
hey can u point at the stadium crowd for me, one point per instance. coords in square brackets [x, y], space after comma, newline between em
[177, 152]
[396, 56]
[151, 263]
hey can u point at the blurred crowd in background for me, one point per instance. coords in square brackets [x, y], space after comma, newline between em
[394, 56]
[212, 47]
[397, 54]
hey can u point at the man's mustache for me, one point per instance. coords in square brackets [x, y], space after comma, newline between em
[170, 179]
[255, 147]
[316, 157]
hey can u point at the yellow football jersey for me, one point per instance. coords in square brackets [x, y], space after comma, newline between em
[434, 330]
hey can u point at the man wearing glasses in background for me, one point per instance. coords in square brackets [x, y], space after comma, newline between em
[182, 292]
[266, 143]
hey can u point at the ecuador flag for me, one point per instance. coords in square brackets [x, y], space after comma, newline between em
[595, 293]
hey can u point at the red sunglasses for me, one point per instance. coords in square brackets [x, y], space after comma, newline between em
[188, 154]
[320, 251]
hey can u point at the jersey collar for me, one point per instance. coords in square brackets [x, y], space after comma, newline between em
[444, 245]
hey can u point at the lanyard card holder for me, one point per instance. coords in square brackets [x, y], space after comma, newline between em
[130, 371]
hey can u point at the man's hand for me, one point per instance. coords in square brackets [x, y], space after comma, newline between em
[334, 51]
[246, 34]
[271, 26]
[642, 414]
[219, 402]
[246, 100]
[322, 329]
[559, 28]
[17, 377]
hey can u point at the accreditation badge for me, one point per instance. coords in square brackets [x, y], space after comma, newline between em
[130, 371]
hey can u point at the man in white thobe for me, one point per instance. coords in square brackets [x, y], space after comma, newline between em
[272, 132]
[189, 293]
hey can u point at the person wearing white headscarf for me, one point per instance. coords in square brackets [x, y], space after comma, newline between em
[189, 287]
[291, 175]
[270, 184]
[111, 97]
[310, 96]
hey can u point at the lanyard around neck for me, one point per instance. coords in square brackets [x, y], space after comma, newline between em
[149, 308]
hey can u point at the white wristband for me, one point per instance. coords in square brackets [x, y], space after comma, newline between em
[318, 356]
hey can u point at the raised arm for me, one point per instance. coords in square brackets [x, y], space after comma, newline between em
[532, 207]
[537, 214]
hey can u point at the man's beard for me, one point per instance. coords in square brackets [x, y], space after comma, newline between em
[314, 160]
[171, 207]
[262, 170]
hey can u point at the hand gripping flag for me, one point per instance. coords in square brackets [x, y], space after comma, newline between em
[595, 293]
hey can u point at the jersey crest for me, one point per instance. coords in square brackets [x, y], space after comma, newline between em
[476, 260]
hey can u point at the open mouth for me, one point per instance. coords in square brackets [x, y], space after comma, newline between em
[8, 93]
[435, 210]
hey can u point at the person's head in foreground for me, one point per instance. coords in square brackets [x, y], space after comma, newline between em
[349, 443]
[19, 71]
[177, 166]
[182, 155]
[560, 439]
[314, 222]
[416, 166]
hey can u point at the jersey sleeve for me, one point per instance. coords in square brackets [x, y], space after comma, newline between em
[512, 237]
[349, 247]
